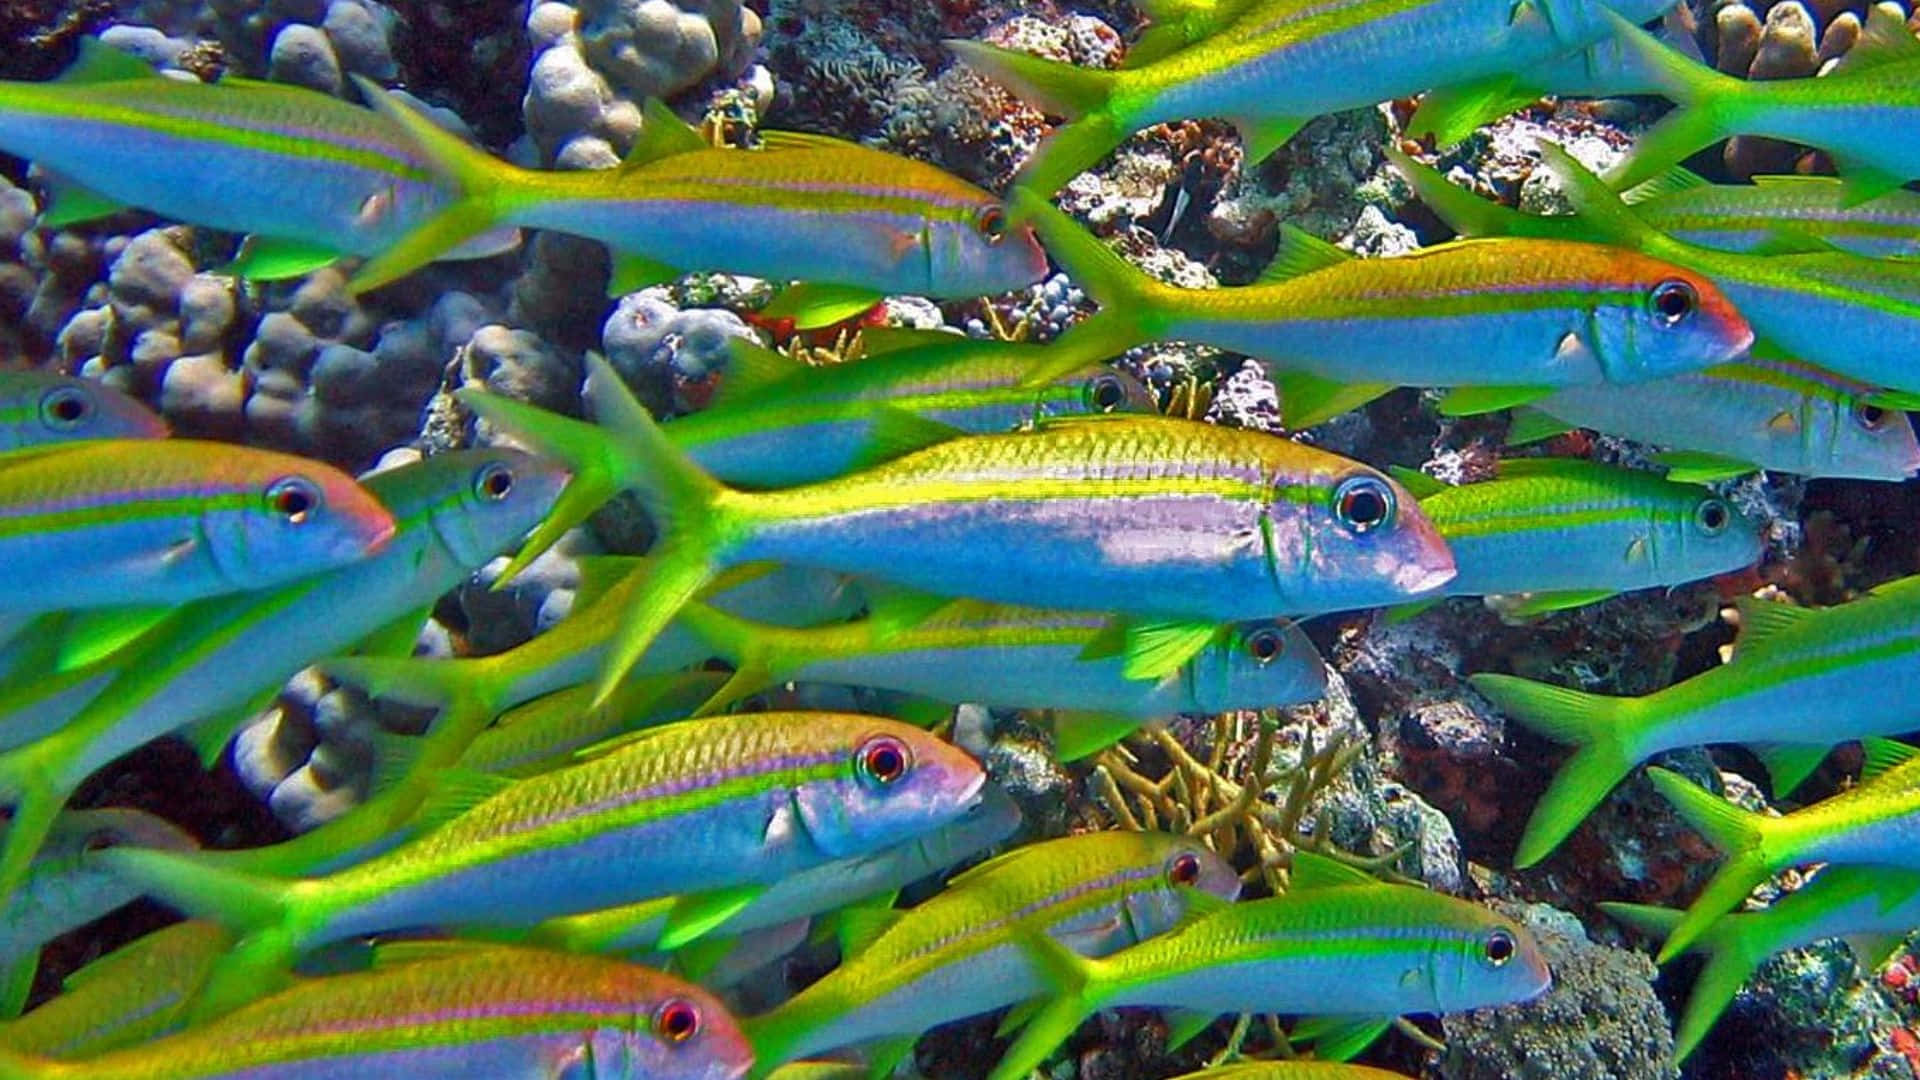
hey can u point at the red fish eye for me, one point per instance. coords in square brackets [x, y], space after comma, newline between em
[883, 761]
[1185, 869]
[1673, 300]
[991, 222]
[293, 499]
[677, 1021]
[64, 407]
[1363, 503]
[1266, 643]
[493, 482]
[1499, 948]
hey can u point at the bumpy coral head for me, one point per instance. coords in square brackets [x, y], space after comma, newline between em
[974, 249]
[673, 1029]
[890, 782]
[1659, 320]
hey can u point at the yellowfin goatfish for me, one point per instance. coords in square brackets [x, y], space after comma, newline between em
[1516, 314]
[854, 223]
[39, 407]
[123, 521]
[310, 176]
[1164, 519]
[431, 1011]
[1281, 64]
[137, 992]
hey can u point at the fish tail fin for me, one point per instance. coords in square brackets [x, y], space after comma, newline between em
[28, 781]
[1733, 953]
[1082, 95]
[777, 1037]
[628, 451]
[1466, 213]
[485, 196]
[1127, 295]
[1073, 983]
[1599, 206]
[1737, 831]
[1704, 97]
[1596, 725]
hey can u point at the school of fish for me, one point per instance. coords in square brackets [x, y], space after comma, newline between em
[599, 835]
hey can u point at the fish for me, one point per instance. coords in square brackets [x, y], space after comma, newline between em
[1872, 907]
[40, 407]
[1337, 943]
[430, 1011]
[1853, 315]
[1514, 313]
[1611, 530]
[63, 891]
[957, 954]
[1281, 65]
[1157, 517]
[134, 994]
[114, 522]
[717, 809]
[1869, 823]
[210, 662]
[1011, 657]
[852, 222]
[544, 734]
[1291, 1070]
[311, 177]
[638, 928]
[777, 423]
[1767, 411]
[1861, 111]
[1799, 681]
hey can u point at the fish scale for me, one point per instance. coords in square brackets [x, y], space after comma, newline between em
[472, 1012]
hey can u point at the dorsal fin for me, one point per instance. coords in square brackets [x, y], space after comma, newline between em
[1884, 40]
[1671, 182]
[1761, 621]
[1417, 483]
[1312, 871]
[101, 63]
[1300, 253]
[662, 135]
[1554, 467]
[1533, 425]
[751, 368]
[1474, 400]
[456, 791]
[1884, 755]
[861, 926]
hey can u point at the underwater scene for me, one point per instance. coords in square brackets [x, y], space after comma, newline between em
[959, 539]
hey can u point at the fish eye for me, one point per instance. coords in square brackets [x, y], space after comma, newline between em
[64, 407]
[1363, 503]
[1712, 516]
[1870, 416]
[882, 761]
[493, 482]
[991, 222]
[1498, 948]
[1105, 393]
[1266, 644]
[99, 840]
[676, 1021]
[294, 499]
[1184, 869]
[1673, 301]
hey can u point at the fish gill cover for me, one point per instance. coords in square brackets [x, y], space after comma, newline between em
[654, 538]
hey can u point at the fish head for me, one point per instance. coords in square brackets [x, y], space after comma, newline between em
[59, 408]
[676, 1029]
[1100, 390]
[1659, 320]
[1475, 956]
[480, 501]
[1712, 536]
[1257, 665]
[1366, 542]
[895, 782]
[986, 823]
[973, 249]
[1868, 440]
[1181, 866]
[296, 516]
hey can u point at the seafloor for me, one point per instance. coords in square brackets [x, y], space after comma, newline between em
[1430, 774]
